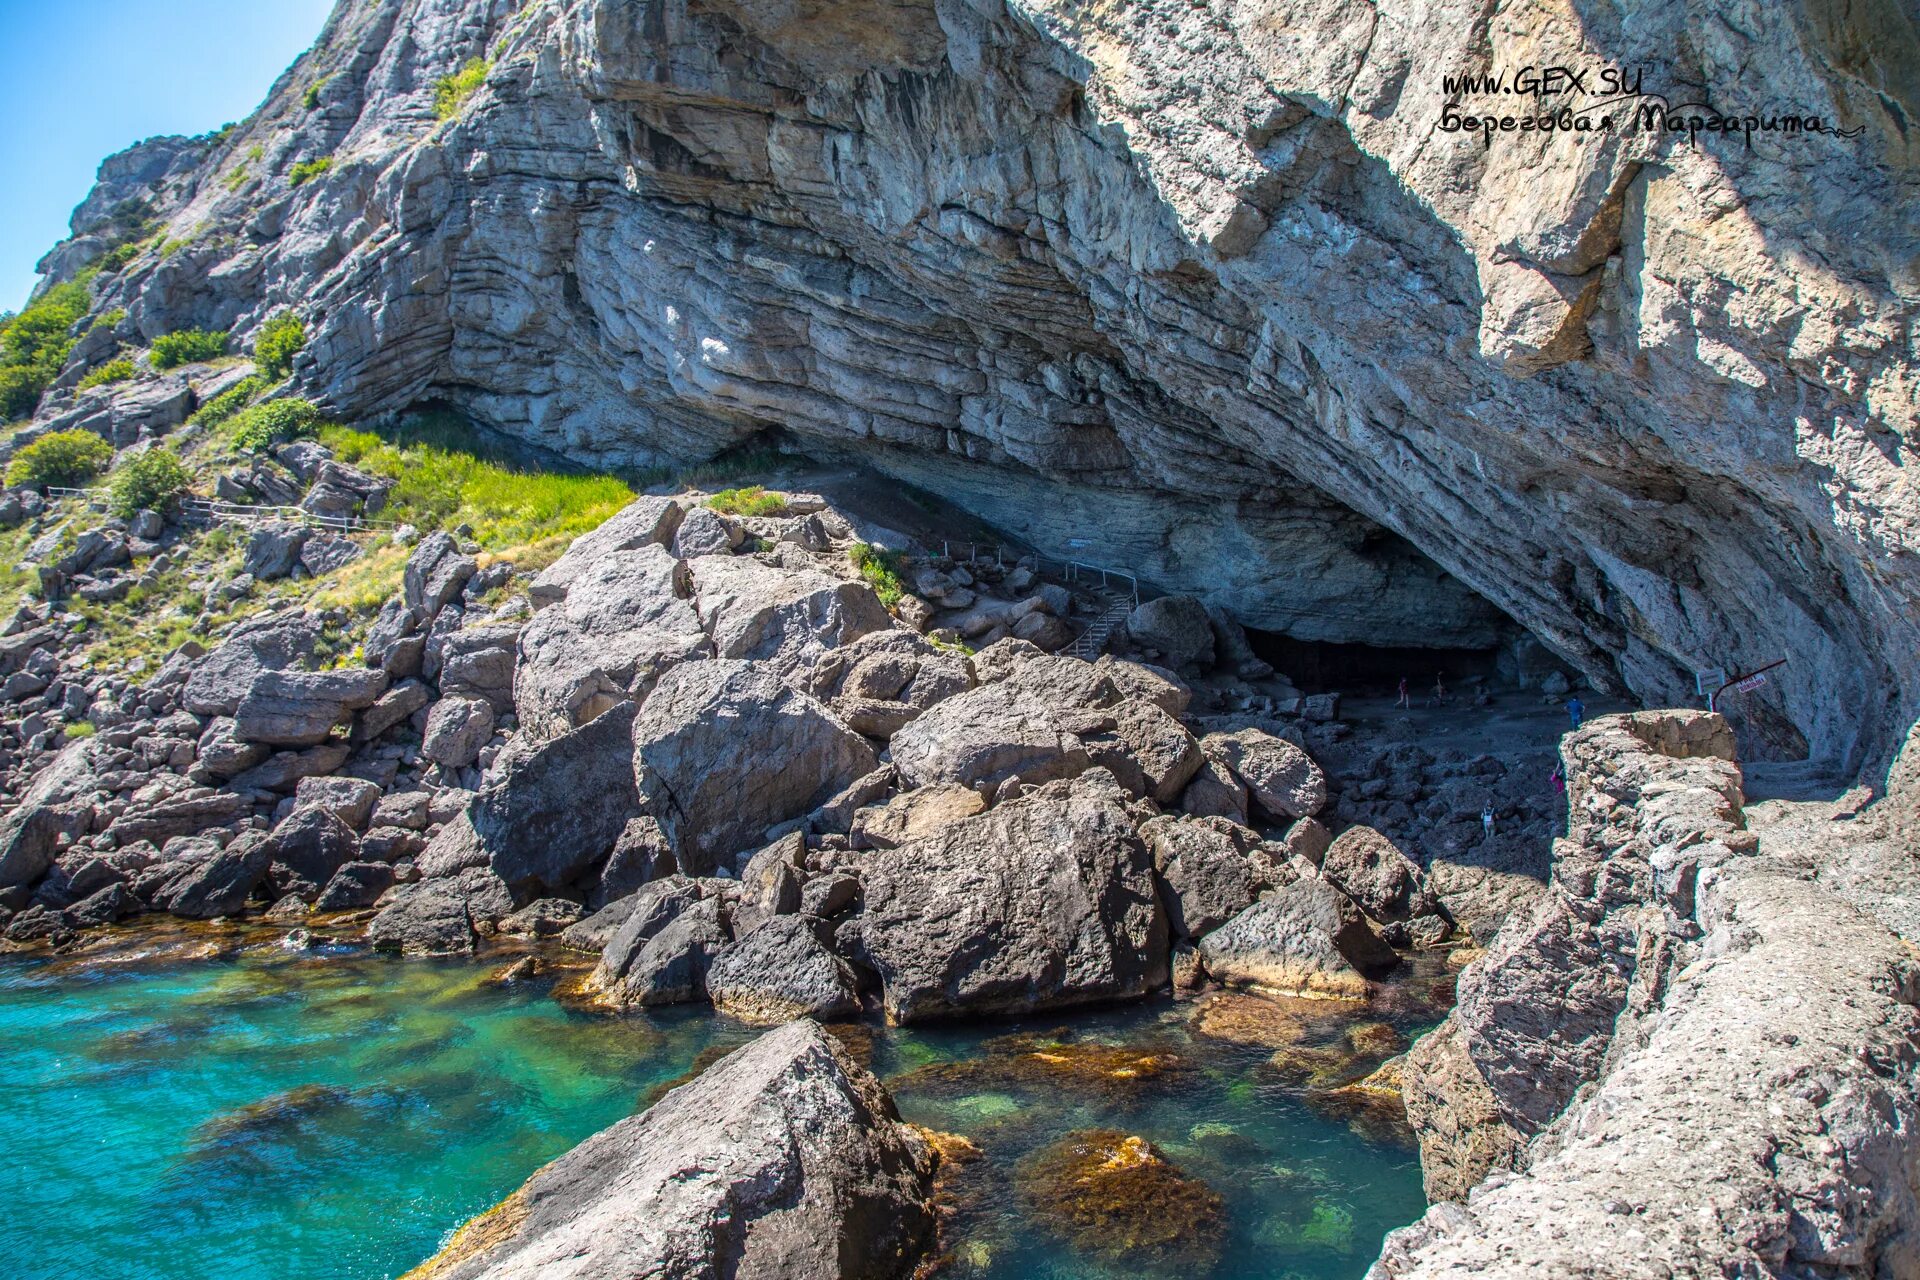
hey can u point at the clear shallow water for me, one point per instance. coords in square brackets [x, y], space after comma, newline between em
[333, 1116]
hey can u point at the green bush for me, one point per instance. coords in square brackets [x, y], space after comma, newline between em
[35, 343]
[750, 501]
[228, 402]
[267, 424]
[120, 255]
[153, 481]
[881, 569]
[80, 729]
[281, 338]
[237, 176]
[108, 319]
[307, 170]
[452, 91]
[188, 346]
[312, 98]
[112, 371]
[65, 458]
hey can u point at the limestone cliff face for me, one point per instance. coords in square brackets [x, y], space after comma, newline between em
[1202, 284]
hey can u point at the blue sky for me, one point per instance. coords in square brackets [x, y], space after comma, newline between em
[81, 79]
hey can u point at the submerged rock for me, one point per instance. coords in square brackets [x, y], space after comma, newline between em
[783, 1159]
[1115, 1197]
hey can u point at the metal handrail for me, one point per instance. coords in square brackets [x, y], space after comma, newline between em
[1070, 570]
[243, 513]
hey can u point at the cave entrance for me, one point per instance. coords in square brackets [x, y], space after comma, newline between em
[1365, 670]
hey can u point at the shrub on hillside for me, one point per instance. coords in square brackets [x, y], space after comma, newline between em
[281, 338]
[307, 170]
[881, 569]
[452, 91]
[750, 501]
[152, 481]
[265, 425]
[35, 343]
[65, 458]
[228, 402]
[112, 371]
[188, 346]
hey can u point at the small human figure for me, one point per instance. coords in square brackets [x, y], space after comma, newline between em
[1486, 821]
[1404, 700]
[1558, 779]
[1575, 709]
[1439, 686]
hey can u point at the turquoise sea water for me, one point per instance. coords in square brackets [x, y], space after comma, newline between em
[333, 1115]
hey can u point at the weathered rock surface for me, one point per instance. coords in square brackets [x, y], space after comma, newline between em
[725, 749]
[1304, 938]
[1042, 902]
[780, 971]
[782, 1159]
[780, 616]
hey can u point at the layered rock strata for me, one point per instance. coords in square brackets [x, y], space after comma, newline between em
[1210, 291]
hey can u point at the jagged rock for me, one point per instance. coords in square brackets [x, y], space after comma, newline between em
[1304, 938]
[704, 532]
[542, 918]
[1215, 793]
[532, 827]
[782, 970]
[300, 708]
[283, 770]
[456, 730]
[641, 854]
[104, 906]
[1042, 902]
[324, 553]
[404, 809]
[1382, 881]
[1178, 627]
[225, 676]
[784, 617]
[50, 809]
[1149, 751]
[478, 662]
[785, 1158]
[221, 884]
[1308, 841]
[436, 573]
[1282, 779]
[883, 680]
[647, 521]
[825, 896]
[1206, 876]
[389, 709]
[1157, 685]
[393, 641]
[438, 917]
[670, 966]
[349, 799]
[627, 622]
[981, 738]
[306, 850]
[630, 923]
[221, 752]
[185, 811]
[725, 749]
[273, 550]
[354, 885]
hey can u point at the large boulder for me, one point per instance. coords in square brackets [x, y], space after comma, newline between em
[723, 750]
[1206, 874]
[785, 617]
[670, 966]
[478, 662]
[300, 708]
[224, 677]
[1384, 882]
[784, 1159]
[782, 970]
[53, 807]
[1042, 902]
[1282, 779]
[553, 815]
[305, 851]
[439, 917]
[436, 573]
[220, 884]
[1178, 627]
[1305, 938]
[995, 732]
[456, 730]
[887, 678]
[645, 522]
[626, 621]
[621, 930]
[1151, 753]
